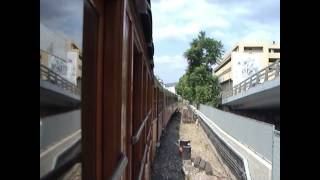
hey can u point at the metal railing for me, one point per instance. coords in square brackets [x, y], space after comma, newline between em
[136, 137]
[120, 169]
[269, 73]
[143, 162]
[51, 76]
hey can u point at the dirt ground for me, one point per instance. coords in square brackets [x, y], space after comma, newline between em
[73, 174]
[168, 164]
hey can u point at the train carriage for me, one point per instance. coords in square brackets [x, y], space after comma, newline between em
[124, 108]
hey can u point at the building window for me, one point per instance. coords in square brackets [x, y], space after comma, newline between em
[253, 49]
[272, 60]
[271, 50]
[276, 50]
[236, 49]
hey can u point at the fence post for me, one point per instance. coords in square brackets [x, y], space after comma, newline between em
[266, 74]
[277, 69]
[50, 76]
[258, 78]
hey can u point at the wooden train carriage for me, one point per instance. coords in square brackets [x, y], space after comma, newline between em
[124, 107]
[171, 106]
[166, 105]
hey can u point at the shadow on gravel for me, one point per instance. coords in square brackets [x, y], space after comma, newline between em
[168, 163]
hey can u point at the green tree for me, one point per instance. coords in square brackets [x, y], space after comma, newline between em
[183, 88]
[203, 51]
[198, 84]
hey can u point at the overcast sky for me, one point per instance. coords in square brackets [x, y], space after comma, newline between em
[65, 17]
[177, 22]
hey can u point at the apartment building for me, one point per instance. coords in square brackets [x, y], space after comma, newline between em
[60, 54]
[171, 87]
[244, 60]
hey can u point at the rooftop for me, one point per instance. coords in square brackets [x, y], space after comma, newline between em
[171, 84]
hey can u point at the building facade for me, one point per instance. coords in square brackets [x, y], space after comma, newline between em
[171, 87]
[244, 60]
[61, 55]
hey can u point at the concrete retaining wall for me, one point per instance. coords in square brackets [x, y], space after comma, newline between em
[56, 127]
[257, 135]
[276, 156]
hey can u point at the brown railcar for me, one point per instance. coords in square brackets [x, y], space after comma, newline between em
[124, 107]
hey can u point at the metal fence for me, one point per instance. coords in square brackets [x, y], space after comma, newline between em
[276, 156]
[51, 76]
[269, 73]
[256, 135]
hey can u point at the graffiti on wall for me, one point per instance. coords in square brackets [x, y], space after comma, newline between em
[248, 67]
[65, 68]
[244, 65]
[58, 66]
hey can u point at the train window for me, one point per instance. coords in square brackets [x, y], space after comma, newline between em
[61, 28]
